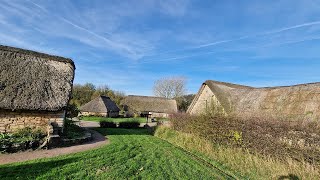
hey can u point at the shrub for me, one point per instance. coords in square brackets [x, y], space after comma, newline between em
[29, 133]
[231, 160]
[129, 124]
[72, 111]
[22, 139]
[279, 138]
[71, 130]
[107, 124]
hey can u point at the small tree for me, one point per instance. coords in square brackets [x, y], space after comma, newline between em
[72, 111]
[171, 87]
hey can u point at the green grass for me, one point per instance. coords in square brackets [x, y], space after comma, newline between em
[117, 120]
[132, 154]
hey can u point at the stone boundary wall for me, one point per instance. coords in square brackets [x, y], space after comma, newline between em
[93, 114]
[109, 114]
[11, 121]
[159, 115]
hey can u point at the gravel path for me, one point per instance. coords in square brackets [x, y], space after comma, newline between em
[98, 141]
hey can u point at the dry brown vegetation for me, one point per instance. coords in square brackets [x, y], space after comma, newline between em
[276, 138]
[238, 162]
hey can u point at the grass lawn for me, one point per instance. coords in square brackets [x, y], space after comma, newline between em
[132, 154]
[97, 119]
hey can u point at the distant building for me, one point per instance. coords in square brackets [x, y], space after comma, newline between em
[153, 106]
[35, 89]
[100, 106]
[298, 101]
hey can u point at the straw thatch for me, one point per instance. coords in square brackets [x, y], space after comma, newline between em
[101, 104]
[34, 81]
[297, 100]
[150, 104]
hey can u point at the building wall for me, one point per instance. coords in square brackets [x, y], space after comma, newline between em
[159, 115]
[113, 114]
[11, 121]
[206, 103]
[93, 114]
[109, 114]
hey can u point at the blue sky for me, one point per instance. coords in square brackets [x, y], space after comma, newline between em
[130, 44]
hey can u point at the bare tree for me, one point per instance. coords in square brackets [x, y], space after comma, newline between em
[170, 87]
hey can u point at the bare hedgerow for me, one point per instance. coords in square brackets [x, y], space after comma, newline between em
[280, 138]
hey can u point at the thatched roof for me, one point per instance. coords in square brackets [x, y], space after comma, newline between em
[101, 104]
[298, 99]
[150, 104]
[34, 81]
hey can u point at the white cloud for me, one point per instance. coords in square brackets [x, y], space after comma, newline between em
[174, 7]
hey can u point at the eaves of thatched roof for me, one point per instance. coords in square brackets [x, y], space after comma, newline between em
[101, 104]
[150, 104]
[34, 81]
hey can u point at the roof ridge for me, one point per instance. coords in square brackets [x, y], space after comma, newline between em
[38, 54]
[268, 87]
[150, 97]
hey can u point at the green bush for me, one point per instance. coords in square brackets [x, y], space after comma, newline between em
[71, 130]
[129, 124]
[107, 124]
[26, 138]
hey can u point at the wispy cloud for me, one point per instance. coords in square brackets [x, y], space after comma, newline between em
[174, 8]
[120, 47]
[247, 36]
[128, 44]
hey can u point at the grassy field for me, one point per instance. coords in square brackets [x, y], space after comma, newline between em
[98, 119]
[132, 154]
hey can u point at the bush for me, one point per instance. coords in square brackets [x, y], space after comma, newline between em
[72, 111]
[26, 138]
[71, 130]
[279, 138]
[129, 124]
[107, 124]
[235, 161]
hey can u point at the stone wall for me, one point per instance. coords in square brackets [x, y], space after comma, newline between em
[11, 121]
[159, 115]
[93, 114]
[109, 114]
[206, 101]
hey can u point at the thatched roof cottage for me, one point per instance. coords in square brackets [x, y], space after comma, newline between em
[155, 106]
[298, 101]
[100, 106]
[34, 89]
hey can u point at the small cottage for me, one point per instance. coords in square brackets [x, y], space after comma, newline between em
[100, 106]
[147, 105]
[35, 89]
[297, 101]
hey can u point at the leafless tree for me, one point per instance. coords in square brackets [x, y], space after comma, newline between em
[170, 87]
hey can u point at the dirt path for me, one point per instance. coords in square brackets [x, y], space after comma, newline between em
[98, 141]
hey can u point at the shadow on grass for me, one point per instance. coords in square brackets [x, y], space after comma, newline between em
[31, 170]
[121, 131]
[289, 177]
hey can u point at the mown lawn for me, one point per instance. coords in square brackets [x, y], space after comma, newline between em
[132, 154]
[117, 120]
